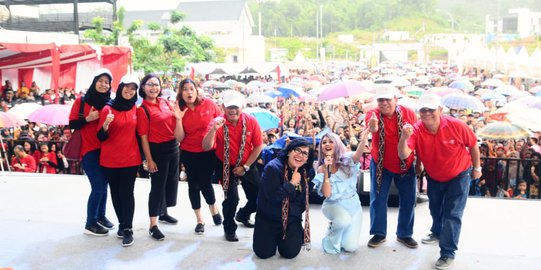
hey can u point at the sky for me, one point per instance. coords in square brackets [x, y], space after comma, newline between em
[144, 4]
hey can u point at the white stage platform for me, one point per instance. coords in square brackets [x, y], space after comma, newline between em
[42, 219]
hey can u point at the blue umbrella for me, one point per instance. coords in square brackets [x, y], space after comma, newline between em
[464, 85]
[463, 101]
[494, 96]
[273, 93]
[507, 90]
[290, 90]
[265, 118]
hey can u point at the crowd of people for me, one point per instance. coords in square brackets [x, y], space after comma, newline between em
[326, 145]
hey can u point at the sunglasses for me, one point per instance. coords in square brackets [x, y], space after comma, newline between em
[426, 110]
[381, 100]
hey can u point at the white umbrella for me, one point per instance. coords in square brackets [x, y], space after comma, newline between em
[23, 110]
[529, 118]
[493, 82]
[259, 98]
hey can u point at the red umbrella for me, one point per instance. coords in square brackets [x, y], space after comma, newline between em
[342, 89]
[53, 115]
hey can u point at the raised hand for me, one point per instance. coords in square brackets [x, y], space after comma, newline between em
[218, 122]
[179, 114]
[373, 123]
[296, 177]
[407, 130]
[92, 115]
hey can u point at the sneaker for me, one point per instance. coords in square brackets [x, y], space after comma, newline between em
[217, 219]
[444, 263]
[167, 219]
[105, 223]
[430, 239]
[156, 233]
[128, 238]
[200, 228]
[96, 230]
[120, 234]
[376, 241]
[408, 242]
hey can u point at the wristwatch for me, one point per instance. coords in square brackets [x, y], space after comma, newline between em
[479, 169]
[246, 167]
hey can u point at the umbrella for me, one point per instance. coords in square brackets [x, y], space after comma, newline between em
[536, 90]
[8, 120]
[503, 131]
[528, 118]
[343, 89]
[463, 85]
[23, 110]
[482, 91]
[494, 96]
[443, 91]
[414, 91]
[507, 90]
[273, 93]
[259, 98]
[53, 115]
[290, 90]
[463, 101]
[493, 82]
[400, 82]
[265, 118]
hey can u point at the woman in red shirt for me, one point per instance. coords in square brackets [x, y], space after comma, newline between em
[117, 131]
[197, 114]
[46, 160]
[159, 126]
[96, 97]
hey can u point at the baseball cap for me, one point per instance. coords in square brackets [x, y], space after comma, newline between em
[104, 71]
[386, 91]
[130, 78]
[233, 98]
[430, 101]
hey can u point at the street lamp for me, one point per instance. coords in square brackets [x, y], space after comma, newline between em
[451, 18]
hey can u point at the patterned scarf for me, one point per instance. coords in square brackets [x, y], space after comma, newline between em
[285, 210]
[381, 150]
[225, 181]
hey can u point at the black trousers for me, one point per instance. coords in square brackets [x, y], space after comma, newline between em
[164, 182]
[122, 184]
[268, 236]
[250, 183]
[199, 168]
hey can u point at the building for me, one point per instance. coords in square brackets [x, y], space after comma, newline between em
[518, 23]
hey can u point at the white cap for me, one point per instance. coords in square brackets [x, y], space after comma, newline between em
[233, 98]
[386, 91]
[130, 78]
[430, 101]
[103, 71]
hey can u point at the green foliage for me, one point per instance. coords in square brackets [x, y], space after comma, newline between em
[177, 16]
[154, 26]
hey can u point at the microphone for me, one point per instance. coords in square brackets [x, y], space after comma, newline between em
[329, 168]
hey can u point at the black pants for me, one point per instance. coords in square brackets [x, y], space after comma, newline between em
[199, 168]
[250, 184]
[268, 236]
[122, 184]
[164, 182]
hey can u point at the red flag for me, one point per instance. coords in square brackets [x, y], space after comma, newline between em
[278, 74]
[192, 73]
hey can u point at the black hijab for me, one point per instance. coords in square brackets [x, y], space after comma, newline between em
[95, 98]
[120, 103]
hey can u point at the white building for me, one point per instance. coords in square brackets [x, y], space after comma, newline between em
[519, 22]
[227, 22]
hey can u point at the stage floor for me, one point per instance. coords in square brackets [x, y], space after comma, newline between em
[42, 219]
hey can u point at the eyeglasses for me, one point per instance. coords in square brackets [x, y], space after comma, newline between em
[232, 107]
[381, 100]
[152, 84]
[300, 152]
[426, 110]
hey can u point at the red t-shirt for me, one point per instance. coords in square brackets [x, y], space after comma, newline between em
[28, 163]
[45, 167]
[161, 127]
[391, 161]
[195, 123]
[253, 138]
[446, 153]
[89, 141]
[121, 148]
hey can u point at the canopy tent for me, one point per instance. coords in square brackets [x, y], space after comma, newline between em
[52, 66]
[235, 69]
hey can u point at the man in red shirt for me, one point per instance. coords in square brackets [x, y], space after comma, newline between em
[23, 162]
[238, 141]
[447, 147]
[386, 122]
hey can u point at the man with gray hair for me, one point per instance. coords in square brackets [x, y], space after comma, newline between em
[448, 149]
[22, 162]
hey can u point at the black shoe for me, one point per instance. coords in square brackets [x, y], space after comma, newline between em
[120, 233]
[105, 223]
[156, 233]
[247, 223]
[128, 238]
[200, 228]
[217, 219]
[408, 242]
[96, 230]
[167, 219]
[376, 241]
[231, 237]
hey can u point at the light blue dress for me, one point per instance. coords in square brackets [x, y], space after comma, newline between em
[342, 208]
